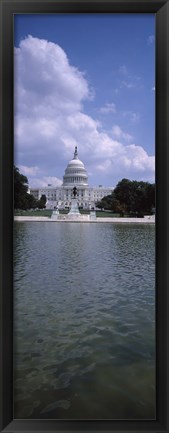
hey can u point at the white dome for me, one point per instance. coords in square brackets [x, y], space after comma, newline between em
[75, 173]
[75, 163]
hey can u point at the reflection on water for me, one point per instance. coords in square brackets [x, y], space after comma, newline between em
[84, 312]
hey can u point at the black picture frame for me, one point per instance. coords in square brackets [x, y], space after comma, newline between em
[7, 10]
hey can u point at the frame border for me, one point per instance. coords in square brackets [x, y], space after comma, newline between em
[7, 9]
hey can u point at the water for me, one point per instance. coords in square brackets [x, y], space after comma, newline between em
[84, 321]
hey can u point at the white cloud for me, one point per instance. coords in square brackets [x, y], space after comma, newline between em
[130, 81]
[128, 85]
[45, 181]
[132, 161]
[50, 121]
[139, 158]
[47, 82]
[28, 171]
[151, 39]
[123, 70]
[133, 117]
[105, 166]
[117, 132]
[108, 108]
[42, 181]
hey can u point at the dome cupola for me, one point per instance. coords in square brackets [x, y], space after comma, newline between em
[75, 173]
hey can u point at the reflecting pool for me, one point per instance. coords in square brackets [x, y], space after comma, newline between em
[84, 321]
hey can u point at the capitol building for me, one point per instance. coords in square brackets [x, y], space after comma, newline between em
[61, 196]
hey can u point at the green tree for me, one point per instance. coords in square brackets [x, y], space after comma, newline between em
[117, 206]
[124, 193]
[20, 189]
[149, 199]
[105, 202]
[136, 197]
[42, 202]
[31, 202]
[22, 199]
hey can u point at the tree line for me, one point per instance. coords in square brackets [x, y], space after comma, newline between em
[22, 199]
[131, 198]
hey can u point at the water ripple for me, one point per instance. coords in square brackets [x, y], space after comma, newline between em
[84, 310]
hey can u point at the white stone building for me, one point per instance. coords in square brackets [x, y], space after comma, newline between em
[61, 196]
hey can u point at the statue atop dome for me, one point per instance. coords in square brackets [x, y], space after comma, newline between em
[75, 153]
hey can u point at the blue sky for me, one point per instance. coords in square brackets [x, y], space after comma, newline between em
[85, 80]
